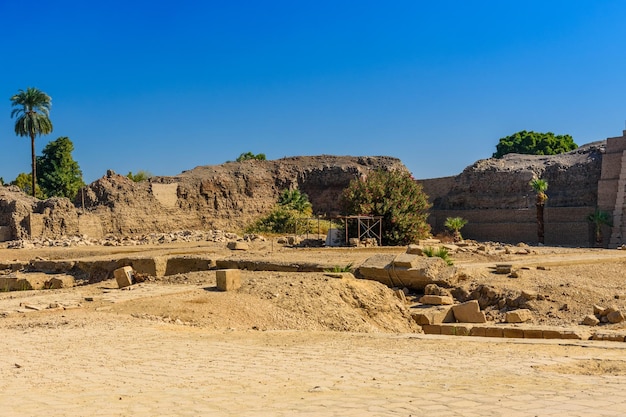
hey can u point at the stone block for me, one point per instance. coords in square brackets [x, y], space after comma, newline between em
[437, 300]
[609, 337]
[494, 332]
[591, 320]
[124, 276]
[599, 310]
[615, 317]
[513, 332]
[456, 329]
[415, 250]
[503, 268]
[238, 245]
[533, 334]
[228, 279]
[432, 315]
[406, 260]
[431, 329]
[469, 312]
[551, 334]
[518, 316]
[434, 289]
[8, 283]
[478, 331]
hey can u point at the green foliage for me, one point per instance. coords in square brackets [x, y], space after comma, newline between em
[25, 182]
[338, 268]
[395, 196]
[439, 253]
[1, 181]
[295, 200]
[455, 224]
[600, 218]
[32, 112]
[247, 156]
[279, 220]
[534, 143]
[540, 187]
[60, 174]
[139, 176]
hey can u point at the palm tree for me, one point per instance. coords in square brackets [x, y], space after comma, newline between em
[32, 119]
[540, 187]
[599, 218]
[455, 224]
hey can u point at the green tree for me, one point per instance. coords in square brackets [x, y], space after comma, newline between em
[455, 224]
[533, 143]
[60, 174]
[599, 218]
[32, 112]
[24, 182]
[395, 196]
[295, 200]
[247, 156]
[540, 187]
[139, 176]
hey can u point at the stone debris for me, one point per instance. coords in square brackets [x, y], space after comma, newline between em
[147, 239]
[469, 312]
[605, 315]
[521, 315]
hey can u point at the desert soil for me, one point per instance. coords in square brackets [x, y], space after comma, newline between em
[112, 351]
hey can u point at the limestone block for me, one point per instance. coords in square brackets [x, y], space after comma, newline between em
[513, 332]
[238, 246]
[436, 300]
[478, 331]
[228, 279]
[469, 312]
[124, 276]
[431, 329]
[529, 295]
[414, 250]
[521, 315]
[8, 283]
[434, 289]
[406, 260]
[456, 329]
[533, 334]
[494, 332]
[503, 268]
[432, 315]
[615, 317]
[591, 320]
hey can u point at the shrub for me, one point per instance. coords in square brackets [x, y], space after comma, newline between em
[395, 196]
[455, 224]
[439, 253]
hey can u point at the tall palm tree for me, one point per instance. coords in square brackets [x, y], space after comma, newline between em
[32, 112]
[540, 187]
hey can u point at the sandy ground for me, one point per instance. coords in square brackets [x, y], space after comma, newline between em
[303, 344]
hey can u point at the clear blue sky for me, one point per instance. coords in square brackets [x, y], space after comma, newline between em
[166, 86]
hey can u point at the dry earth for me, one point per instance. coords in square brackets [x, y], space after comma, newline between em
[285, 343]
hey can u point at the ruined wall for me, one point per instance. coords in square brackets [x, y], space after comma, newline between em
[495, 197]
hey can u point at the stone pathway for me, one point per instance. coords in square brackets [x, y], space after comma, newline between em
[118, 366]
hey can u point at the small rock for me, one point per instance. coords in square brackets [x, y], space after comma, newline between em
[591, 320]
[518, 316]
[615, 317]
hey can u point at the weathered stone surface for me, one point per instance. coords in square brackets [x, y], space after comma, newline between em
[238, 246]
[599, 310]
[415, 250]
[469, 312]
[428, 270]
[615, 317]
[434, 289]
[124, 276]
[432, 314]
[228, 279]
[591, 320]
[59, 281]
[406, 260]
[518, 316]
[503, 269]
[455, 329]
[436, 300]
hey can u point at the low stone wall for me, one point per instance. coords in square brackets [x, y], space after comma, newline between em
[562, 225]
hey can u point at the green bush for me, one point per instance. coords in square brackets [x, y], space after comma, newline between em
[534, 143]
[439, 253]
[395, 196]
